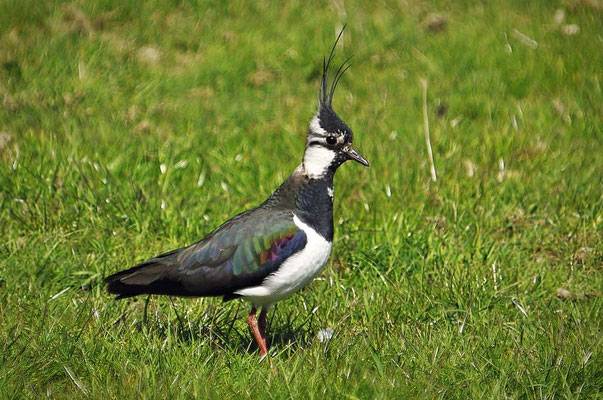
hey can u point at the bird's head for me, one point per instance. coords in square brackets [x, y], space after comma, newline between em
[329, 139]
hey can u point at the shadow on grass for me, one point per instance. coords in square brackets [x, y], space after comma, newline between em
[223, 327]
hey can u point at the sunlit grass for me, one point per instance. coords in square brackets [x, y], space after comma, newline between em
[128, 129]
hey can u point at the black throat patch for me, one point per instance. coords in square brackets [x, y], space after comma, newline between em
[309, 199]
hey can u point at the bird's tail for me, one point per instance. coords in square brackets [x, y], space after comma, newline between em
[155, 276]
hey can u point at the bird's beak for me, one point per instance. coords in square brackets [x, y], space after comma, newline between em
[354, 155]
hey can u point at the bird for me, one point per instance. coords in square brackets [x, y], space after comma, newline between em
[268, 253]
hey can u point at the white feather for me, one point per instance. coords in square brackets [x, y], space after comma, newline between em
[293, 274]
[317, 159]
[315, 126]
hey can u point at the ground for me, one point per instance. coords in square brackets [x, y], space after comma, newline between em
[128, 129]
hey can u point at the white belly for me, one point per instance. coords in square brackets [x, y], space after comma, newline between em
[293, 274]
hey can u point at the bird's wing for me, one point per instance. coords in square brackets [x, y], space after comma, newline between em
[242, 252]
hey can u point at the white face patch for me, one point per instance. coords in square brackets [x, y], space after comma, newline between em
[317, 159]
[315, 126]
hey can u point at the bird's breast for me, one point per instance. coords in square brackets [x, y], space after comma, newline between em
[295, 272]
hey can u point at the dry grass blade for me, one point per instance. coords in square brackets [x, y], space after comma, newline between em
[432, 168]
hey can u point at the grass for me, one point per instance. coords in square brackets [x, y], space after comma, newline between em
[129, 129]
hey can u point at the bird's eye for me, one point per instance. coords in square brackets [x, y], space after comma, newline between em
[331, 140]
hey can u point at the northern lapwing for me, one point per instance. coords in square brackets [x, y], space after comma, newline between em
[270, 252]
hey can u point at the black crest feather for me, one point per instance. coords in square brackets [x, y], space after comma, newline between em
[325, 100]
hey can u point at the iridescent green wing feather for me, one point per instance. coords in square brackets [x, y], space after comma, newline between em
[244, 250]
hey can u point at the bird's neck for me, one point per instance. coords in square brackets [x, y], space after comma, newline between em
[308, 196]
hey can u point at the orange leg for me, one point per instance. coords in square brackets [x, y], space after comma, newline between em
[260, 337]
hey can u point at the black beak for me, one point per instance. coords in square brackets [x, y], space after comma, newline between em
[354, 155]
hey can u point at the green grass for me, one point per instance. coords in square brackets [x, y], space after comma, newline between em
[129, 129]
